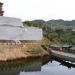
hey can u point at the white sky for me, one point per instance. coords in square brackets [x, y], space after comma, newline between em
[40, 9]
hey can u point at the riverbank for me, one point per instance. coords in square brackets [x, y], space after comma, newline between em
[12, 51]
[16, 55]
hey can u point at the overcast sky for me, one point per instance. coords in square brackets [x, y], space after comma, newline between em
[40, 9]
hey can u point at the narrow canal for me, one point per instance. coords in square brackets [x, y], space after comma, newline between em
[53, 68]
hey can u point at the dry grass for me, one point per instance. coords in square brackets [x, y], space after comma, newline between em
[13, 51]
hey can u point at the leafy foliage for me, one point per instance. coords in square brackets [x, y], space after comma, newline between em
[57, 31]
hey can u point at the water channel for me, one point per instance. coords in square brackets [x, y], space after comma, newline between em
[52, 67]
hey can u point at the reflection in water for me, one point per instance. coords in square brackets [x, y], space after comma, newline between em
[65, 63]
[55, 68]
[29, 67]
[50, 68]
[13, 72]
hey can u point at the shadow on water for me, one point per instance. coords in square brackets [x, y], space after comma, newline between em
[34, 66]
[30, 66]
[67, 64]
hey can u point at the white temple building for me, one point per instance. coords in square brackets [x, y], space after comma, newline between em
[13, 29]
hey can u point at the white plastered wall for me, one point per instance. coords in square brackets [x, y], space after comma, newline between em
[13, 29]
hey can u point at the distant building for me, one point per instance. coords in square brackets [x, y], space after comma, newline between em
[60, 47]
[1, 11]
[72, 49]
[13, 29]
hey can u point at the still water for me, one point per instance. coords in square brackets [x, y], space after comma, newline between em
[53, 68]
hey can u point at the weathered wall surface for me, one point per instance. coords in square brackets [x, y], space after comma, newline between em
[10, 21]
[13, 29]
[18, 33]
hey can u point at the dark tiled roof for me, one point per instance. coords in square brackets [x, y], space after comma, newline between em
[66, 45]
[56, 45]
[72, 48]
[61, 45]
